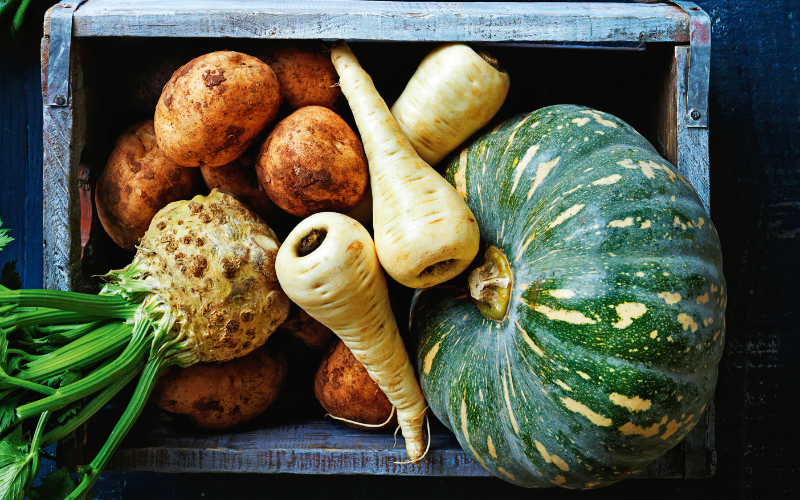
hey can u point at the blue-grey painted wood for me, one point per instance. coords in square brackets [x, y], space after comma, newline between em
[411, 21]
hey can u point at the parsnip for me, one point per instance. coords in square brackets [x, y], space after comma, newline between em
[424, 231]
[454, 92]
[328, 266]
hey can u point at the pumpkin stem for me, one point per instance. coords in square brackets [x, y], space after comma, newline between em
[490, 284]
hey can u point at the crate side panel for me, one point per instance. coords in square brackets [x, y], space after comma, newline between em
[400, 21]
[692, 143]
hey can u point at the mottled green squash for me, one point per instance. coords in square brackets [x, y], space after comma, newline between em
[607, 353]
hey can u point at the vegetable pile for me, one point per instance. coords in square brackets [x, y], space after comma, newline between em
[569, 316]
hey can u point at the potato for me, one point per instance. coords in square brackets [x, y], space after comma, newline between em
[223, 395]
[312, 162]
[138, 181]
[214, 107]
[344, 388]
[305, 72]
[300, 324]
[239, 178]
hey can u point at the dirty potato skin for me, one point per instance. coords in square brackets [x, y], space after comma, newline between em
[214, 107]
[239, 178]
[223, 395]
[344, 388]
[305, 72]
[138, 181]
[301, 325]
[312, 162]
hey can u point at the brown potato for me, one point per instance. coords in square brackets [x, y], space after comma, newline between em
[345, 389]
[138, 181]
[312, 162]
[223, 395]
[300, 324]
[239, 178]
[305, 72]
[214, 107]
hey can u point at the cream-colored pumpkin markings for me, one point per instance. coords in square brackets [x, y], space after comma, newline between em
[703, 298]
[700, 223]
[584, 375]
[508, 405]
[466, 433]
[605, 181]
[687, 322]
[630, 429]
[633, 404]
[672, 428]
[587, 412]
[461, 174]
[542, 451]
[529, 154]
[599, 132]
[572, 190]
[514, 133]
[570, 212]
[580, 121]
[602, 121]
[628, 221]
[591, 485]
[563, 385]
[541, 172]
[506, 473]
[559, 463]
[426, 367]
[654, 334]
[647, 170]
[559, 480]
[640, 274]
[627, 312]
[574, 317]
[490, 445]
[480, 394]
[521, 251]
[646, 224]
[717, 334]
[670, 298]
[535, 124]
[627, 163]
[561, 294]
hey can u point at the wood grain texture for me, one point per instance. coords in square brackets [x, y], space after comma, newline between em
[285, 442]
[692, 145]
[417, 21]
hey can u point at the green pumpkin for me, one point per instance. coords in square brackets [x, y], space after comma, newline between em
[606, 355]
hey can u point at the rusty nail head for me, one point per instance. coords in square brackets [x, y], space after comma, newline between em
[695, 114]
[60, 100]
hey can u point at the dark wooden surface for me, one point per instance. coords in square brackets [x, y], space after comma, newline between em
[755, 179]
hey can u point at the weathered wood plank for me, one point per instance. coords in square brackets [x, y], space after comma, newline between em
[288, 443]
[692, 144]
[400, 21]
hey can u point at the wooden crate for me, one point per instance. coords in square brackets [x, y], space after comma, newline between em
[646, 63]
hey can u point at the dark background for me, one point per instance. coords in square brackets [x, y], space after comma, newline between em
[755, 200]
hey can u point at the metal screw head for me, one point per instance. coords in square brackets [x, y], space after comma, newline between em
[60, 100]
[695, 114]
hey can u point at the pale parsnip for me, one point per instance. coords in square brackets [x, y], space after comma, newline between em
[425, 233]
[454, 92]
[340, 283]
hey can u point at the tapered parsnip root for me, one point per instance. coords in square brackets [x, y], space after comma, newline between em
[454, 92]
[425, 233]
[328, 266]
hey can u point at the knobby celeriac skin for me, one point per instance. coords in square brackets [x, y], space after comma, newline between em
[454, 92]
[202, 287]
[607, 354]
[341, 284]
[424, 232]
[213, 260]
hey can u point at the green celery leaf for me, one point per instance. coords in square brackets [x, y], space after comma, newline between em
[55, 486]
[8, 407]
[9, 277]
[15, 467]
[4, 240]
